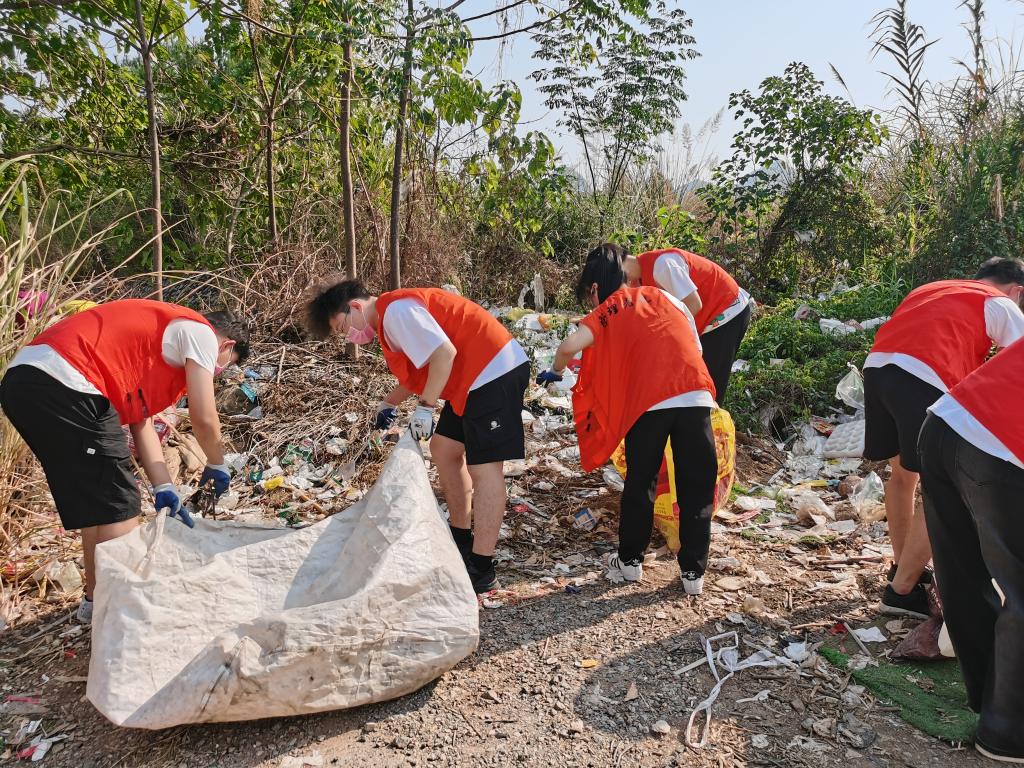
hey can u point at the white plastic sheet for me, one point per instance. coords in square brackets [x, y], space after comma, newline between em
[228, 621]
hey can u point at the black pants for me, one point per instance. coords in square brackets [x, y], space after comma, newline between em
[696, 471]
[973, 507]
[720, 349]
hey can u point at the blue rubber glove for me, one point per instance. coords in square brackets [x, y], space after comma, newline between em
[548, 377]
[165, 496]
[218, 475]
[422, 424]
[386, 415]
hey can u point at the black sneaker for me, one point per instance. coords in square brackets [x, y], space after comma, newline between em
[914, 603]
[927, 577]
[997, 754]
[483, 581]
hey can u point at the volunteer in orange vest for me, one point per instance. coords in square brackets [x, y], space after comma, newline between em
[720, 308]
[972, 477]
[939, 333]
[642, 379]
[69, 391]
[440, 345]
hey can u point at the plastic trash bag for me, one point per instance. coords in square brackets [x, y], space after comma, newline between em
[850, 389]
[229, 621]
[869, 495]
[666, 508]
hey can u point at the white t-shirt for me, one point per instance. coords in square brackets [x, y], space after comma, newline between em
[413, 331]
[970, 429]
[183, 340]
[1004, 324]
[699, 397]
[672, 274]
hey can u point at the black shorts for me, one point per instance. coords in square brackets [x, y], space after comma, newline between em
[492, 426]
[895, 406]
[79, 441]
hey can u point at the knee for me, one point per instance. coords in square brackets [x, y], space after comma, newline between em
[492, 473]
[446, 452]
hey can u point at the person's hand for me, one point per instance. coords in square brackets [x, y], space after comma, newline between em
[386, 415]
[548, 377]
[165, 496]
[218, 475]
[422, 424]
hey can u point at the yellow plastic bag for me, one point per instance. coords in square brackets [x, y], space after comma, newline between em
[666, 508]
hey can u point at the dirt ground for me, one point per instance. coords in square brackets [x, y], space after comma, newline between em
[568, 677]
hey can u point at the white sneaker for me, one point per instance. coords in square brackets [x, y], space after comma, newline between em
[84, 614]
[693, 583]
[621, 571]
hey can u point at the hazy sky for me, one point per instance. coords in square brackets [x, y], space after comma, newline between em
[743, 41]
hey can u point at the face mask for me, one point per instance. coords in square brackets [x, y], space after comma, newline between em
[363, 336]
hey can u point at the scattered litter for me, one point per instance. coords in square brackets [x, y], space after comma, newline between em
[760, 696]
[613, 479]
[754, 503]
[759, 741]
[727, 656]
[661, 727]
[868, 498]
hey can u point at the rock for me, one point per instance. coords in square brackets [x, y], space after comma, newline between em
[857, 733]
[493, 695]
[661, 727]
[401, 742]
[759, 741]
[753, 606]
[824, 727]
[370, 726]
[848, 485]
[577, 726]
[731, 583]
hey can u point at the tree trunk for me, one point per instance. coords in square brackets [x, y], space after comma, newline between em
[347, 195]
[154, 149]
[271, 193]
[396, 170]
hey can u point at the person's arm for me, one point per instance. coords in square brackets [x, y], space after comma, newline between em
[574, 343]
[202, 412]
[672, 274]
[397, 396]
[151, 454]
[439, 368]
[1004, 321]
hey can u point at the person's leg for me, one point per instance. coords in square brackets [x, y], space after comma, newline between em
[645, 450]
[915, 555]
[449, 457]
[448, 452]
[696, 472]
[489, 499]
[992, 489]
[899, 505]
[969, 601]
[97, 534]
[719, 349]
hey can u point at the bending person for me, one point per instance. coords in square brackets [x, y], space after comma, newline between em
[720, 308]
[441, 345]
[642, 379]
[69, 391]
[972, 475]
[938, 334]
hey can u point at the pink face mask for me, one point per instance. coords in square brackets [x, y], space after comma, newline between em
[363, 336]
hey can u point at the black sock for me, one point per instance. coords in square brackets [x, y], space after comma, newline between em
[463, 538]
[482, 563]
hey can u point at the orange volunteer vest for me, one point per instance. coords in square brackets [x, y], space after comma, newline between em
[117, 347]
[643, 352]
[941, 324]
[477, 337]
[991, 395]
[716, 287]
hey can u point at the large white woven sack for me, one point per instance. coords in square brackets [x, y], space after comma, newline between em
[228, 621]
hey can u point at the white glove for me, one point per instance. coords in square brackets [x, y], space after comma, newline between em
[422, 424]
